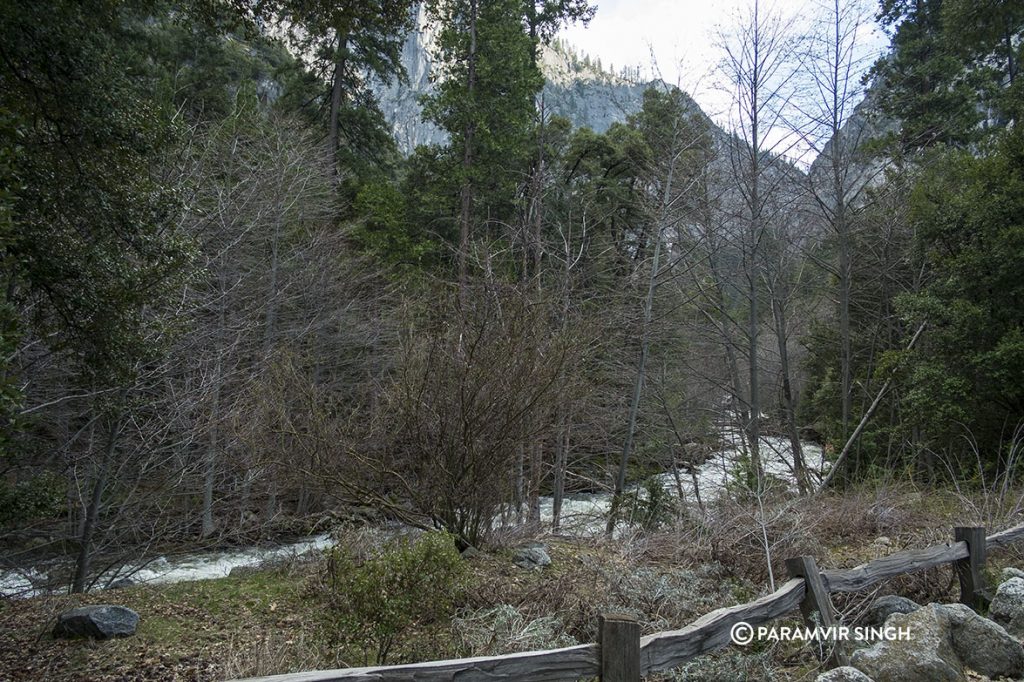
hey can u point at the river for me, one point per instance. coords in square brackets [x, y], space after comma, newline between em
[582, 514]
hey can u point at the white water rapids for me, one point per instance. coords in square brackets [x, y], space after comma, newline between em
[582, 514]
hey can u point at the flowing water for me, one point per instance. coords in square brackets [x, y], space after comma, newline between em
[197, 566]
[582, 514]
[587, 514]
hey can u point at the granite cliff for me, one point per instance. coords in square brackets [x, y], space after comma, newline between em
[576, 87]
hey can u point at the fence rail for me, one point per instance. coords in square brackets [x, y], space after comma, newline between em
[862, 577]
[622, 655]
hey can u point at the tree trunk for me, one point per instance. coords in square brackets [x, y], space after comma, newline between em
[92, 514]
[270, 316]
[337, 84]
[466, 192]
[536, 475]
[840, 460]
[244, 497]
[634, 406]
[729, 345]
[270, 511]
[789, 407]
[561, 457]
[845, 363]
[537, 183]
[520, 491]
[210, 460]
[213, 447]
[753, 426]
[564, 413]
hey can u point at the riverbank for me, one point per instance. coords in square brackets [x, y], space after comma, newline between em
[30, 572]
[274, 620]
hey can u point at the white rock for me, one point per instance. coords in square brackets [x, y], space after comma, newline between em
[844, 673]
[1007, 607]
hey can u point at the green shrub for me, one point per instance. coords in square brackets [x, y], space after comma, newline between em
[39, 497]
[375, 597]
[649, 506]
[659, 507]
[741, 480]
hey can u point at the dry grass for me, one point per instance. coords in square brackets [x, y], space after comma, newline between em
[272, 622]
[273, 651]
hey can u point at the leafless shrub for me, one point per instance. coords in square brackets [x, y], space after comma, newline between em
[860, 515]
[995, 498]
[733, 665]
[751, 540]
[285, 423]
[474, 389]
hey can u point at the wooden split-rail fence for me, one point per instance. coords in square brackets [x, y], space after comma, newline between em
[622, 655]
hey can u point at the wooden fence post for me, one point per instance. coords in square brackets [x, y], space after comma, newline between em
[816, 606]
[619, 640]
[970, 570]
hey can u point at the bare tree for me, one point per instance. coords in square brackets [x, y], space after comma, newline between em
[261, 215]
[833, 60]
[759, 72]
[787, 282]
[676, 168]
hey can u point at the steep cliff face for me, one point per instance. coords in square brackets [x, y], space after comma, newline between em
[581, 91]
[849, 151]
[400, 101]
[575, 88]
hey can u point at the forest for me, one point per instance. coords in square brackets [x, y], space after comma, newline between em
[236, 311]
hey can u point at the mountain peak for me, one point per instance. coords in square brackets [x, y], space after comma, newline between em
[561, 64]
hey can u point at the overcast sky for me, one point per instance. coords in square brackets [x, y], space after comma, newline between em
[683, 37]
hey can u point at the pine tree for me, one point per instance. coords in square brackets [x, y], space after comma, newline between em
[485, 101]
[350, 43]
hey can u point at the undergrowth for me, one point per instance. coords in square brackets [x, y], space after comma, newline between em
[414, 598]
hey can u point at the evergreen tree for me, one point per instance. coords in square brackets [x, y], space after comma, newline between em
[969, 215]
[931, 250]
[545, 17]
[951, 61]
[349, 44]
[484, 101]
[92, 246]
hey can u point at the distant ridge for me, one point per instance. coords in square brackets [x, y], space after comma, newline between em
[576, 87]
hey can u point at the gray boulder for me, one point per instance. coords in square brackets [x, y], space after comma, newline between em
[244, 571]
[885, 606]
[944, 639]
[531, 556]
[926, 657]
[102, 621]
[981, 645]
[1010, 572]
[1007, 607]
[844, 673]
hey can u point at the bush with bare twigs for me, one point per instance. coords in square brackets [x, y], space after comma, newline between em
[475, 388]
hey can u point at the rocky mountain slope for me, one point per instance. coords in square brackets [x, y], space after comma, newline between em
[576, 88]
